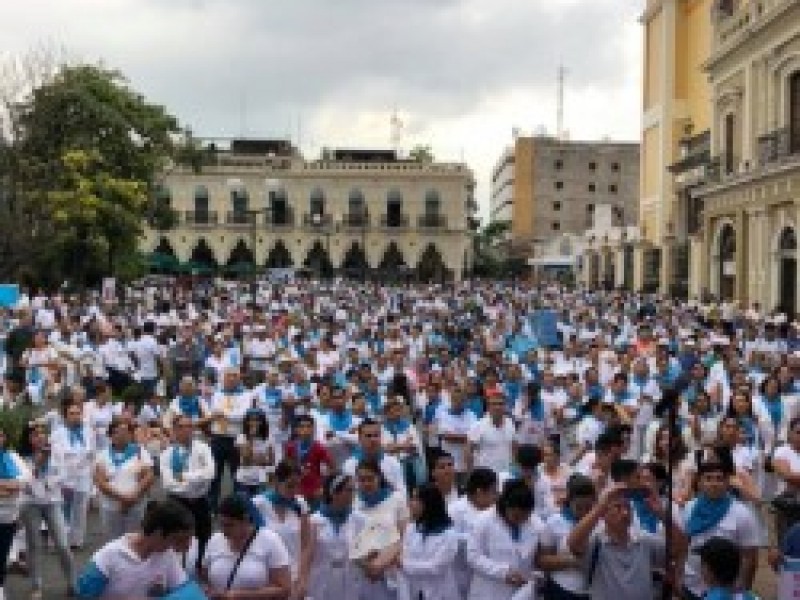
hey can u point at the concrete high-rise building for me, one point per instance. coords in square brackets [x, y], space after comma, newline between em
[675, 134]
[353, 212]
[548, 188]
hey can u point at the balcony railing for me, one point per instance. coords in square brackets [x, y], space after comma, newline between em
[236, 217]
[317, 220]
[776, 147]
[432, 221]
[355, 220]
[201, 218]
[394, 221]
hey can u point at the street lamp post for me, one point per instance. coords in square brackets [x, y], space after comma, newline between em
[365, 220]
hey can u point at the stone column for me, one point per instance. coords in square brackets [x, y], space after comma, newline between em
[666, 268]
[698, 262]
[619, 267]
[742, 262]
[638, 266]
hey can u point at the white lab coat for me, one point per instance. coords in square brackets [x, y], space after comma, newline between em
[76, 459]
[492, 553]
[429, 564]
[465, 516]
[333, 575]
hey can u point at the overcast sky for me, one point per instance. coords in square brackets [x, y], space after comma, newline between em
[461, 74]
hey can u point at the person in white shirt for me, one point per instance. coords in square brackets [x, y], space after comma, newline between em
[74, 449]
[430, 546]
[144, 564]
[369, 446]
[256, 454]
[187, 470]
[453, 425]
[243, 560]
[99, 413]
[480, 495]
[503, 546]
[228, 407]
[491, 439]
[123, 474]
[333, 574]
[117, 361]
[41, 500]
[148, 354]
[14, 477]
[565, 576]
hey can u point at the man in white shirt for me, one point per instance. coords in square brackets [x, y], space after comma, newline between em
[148, 353]
[452, 425]
[117, 361]
[369, 446]
[491, 439]
[187, 470]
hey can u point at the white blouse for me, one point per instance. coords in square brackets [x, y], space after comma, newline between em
[265, 553]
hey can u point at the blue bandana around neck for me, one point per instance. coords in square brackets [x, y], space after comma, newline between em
[340, 421]
[120, 458]
[76, 435]
[273, 396]
[515, 530]
[238, 389]
[8, 466]
[397, 426]
[337, 516]
[189, 406]
[536, 409]
[303, 448]
[775, 409]
[359, 455]
[178, 459]
[568, 515]
[717, 593]
[641, 381]
[372, 499]
[279, 501]
[647, 518]
[457, 412]
[750, 430]
[428, 531]
[707, 514]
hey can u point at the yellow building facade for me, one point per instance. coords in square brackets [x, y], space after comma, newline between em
[676, 119]
[751, 195]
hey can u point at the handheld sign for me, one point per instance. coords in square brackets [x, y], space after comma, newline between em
[9, 295]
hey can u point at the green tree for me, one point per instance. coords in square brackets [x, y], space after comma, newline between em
[85, 150]
[422, 154]
[489, 259]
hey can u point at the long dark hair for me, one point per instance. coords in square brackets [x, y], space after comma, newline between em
[434, 515]
[370, 464]
[515, 494]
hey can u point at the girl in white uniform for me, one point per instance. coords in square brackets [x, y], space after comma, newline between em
[244, 560]
[14, 476]
[144, 564]
[286, 513]
[255, 452]
[503, 546]
[430, 545]
[333, 575]
[123, 475]
[379, 505]
[99, 413]
[74, 450]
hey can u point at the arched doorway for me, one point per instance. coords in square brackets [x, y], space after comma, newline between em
[431, 267]
[202, 260]
[393, 263]
[726, 263]
[318, 261]
[787, 272]
[609, 270]
[164, 248]
[355, 262]
[594, 270]
[241, 260]
[279, 257]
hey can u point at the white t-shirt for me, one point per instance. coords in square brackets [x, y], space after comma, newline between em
[492, 444]
[265, 553]
[790, 456]
[738, 526]
[124, 477]
[147, 352]
[131, 577]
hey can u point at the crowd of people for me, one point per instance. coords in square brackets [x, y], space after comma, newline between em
[329, 440]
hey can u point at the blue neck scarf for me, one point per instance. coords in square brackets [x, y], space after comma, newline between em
[8, 466]
[337, 516]
[430, 410]
[372, 499]
[273, 396]
[641, 381]
[397, 426]
[707, 513]
[750, 429]
[568, 515]
[120, 458]
[279, 501]
[76, 435]
[428, 531]
[457, 412]
[238, 389]
[178, 459]
[359, 455]
[303, 447]
[775, 408]
[536, 409]
[340, 421]
[373, 399]
[515, 530]
[647, 518]
[189, 406]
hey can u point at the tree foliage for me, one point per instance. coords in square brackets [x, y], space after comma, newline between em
[79, 165]
[422, 154]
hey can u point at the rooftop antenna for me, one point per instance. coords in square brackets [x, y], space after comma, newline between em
[396, 132]
[299, 132]
[242, 113]
[560, 106]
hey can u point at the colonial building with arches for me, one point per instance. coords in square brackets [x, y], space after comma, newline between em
[355, 213]
[751, 194]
